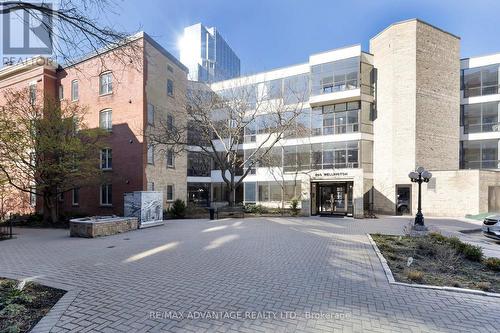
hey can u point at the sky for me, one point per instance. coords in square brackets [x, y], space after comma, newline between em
[267, 34]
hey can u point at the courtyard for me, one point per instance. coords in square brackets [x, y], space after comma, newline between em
[244, 275]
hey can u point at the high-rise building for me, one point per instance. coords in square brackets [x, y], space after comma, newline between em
[207, 55]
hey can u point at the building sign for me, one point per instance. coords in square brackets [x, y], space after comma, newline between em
[330, 174]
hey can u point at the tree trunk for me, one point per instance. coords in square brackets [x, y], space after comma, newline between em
[50, 213]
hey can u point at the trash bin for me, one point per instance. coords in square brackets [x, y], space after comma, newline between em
[211, 211]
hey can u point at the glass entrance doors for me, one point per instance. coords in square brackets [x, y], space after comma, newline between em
[333, 198]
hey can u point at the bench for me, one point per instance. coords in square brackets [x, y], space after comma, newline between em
[227, 211]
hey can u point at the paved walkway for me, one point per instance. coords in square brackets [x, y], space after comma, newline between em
[257, 275]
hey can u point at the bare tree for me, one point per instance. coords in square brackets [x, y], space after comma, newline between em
[220, 123]
[76, 28]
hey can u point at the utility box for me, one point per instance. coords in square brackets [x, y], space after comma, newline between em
[147, 206]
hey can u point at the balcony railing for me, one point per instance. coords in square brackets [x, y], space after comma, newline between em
[481, 91]
[484, 164]
[482, 128]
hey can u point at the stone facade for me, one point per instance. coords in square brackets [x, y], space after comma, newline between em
[157, 72]
[97, 228]
[418, 105]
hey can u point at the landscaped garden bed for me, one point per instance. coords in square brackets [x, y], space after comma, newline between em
[439, 261]
[22, 308]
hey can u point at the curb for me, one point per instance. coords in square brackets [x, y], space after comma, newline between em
[390, 278]
[48, 321]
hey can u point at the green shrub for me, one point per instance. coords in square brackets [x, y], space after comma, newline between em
[438, 237]
[255, 209]
[472, 252]
[294, 206]
[456, 243]
[493, 264]
[178, 209]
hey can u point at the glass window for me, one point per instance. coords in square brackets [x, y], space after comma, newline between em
[106, 159]
[316, 121]
[170, 192]
[74, 90]
[296, 89]
[274, 89]
[250, 191]
[170, 122]
[250, 128]
[61, 92]
[151, 154]
[75, 197]
[32, 93]
[303, 123]
[105, 83]
[151, 114]
[289, 158]
[106, 195]
[316, 156]
[263, 192]
[335, 76]
[480, 117]
[275, 192]
[199, 193]
[480, 81]
[105, 121]
[170, 87]
[303, 157]
[170, 158]
[199, 165]
[151, 186]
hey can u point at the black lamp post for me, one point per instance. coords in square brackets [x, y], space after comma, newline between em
[420, 176]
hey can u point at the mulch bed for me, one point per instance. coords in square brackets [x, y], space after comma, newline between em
[20, 310]
[439, 261]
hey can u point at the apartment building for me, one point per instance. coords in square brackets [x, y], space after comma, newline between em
[371, 118]
[207, 55]
[367, 120]
[125, 97]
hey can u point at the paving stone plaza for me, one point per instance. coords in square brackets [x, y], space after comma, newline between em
[236, 275]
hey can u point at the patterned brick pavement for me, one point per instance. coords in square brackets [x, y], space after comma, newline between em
[255, 275]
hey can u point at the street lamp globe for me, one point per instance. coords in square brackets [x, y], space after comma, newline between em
[420, 176]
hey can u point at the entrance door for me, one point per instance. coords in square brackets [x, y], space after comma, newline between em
[326, 200]
[333, 198]
[403, 199]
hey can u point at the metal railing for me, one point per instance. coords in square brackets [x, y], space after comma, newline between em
[481, 128]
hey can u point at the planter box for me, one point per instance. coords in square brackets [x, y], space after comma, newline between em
[96, 226]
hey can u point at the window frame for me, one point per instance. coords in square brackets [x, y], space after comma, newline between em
[170, 155]
[108, 154]
[77, 196]
[170, 86]
[172, 186]
[108, 84]
[75, 83]
[150, 155]
[109, 195]
[109, 122]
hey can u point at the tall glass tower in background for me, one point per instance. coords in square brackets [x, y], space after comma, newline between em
[207, 55]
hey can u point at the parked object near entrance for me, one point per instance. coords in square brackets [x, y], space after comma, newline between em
[491, 227]
[146, 206]
[96, 226]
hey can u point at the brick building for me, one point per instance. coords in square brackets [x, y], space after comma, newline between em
[124, 97]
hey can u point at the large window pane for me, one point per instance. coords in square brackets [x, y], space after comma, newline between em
[250, 192]
[335, 76]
